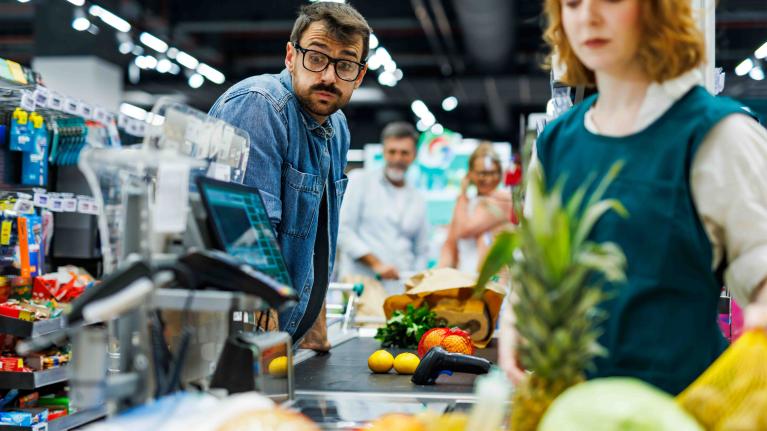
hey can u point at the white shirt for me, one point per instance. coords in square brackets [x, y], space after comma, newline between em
[468, 248]
[386, 221]
[728, 180]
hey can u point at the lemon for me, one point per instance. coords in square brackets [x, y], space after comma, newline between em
[279, 366]
[406, 363]
[380, 361]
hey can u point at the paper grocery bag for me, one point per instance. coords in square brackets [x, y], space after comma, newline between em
[449, 293]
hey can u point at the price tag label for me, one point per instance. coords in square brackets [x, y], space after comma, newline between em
[84, 205]
[71, 107]
[56, 101]
[27, 101]
[41, 96]
[24, 206]
[56, 204]
[70, 205]
[85, 110]
[41, 199]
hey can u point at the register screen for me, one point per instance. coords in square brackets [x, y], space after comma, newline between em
[240, 222]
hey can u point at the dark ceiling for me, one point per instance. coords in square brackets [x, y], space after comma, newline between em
[485, 52]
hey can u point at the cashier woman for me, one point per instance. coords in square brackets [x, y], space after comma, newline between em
[298, 144]
[694, 183]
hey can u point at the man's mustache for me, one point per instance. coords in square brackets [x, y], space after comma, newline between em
[326, 88]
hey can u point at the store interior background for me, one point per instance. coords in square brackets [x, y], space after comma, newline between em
[486, 53]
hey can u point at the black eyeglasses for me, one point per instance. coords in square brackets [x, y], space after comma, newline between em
[315, 61]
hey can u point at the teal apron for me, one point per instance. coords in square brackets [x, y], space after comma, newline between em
[662, 323]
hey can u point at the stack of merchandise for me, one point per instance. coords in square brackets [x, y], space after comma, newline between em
[33, 409]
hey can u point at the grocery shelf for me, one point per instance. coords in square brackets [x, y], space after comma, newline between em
[24, 329]
[65, 423]
[77, 419]
[33, 380]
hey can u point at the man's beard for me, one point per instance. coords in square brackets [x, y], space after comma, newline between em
[395, 174]
[319, 108]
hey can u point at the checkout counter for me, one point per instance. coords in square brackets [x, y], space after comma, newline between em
[226, 252]
[337, 390]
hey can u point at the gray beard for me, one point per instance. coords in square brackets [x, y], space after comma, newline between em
[395, 175]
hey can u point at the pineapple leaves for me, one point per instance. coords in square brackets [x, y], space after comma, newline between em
[558, 274]
[593, 214]
[605, 258]
[501, 254]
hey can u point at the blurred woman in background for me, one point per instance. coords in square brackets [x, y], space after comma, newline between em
[476, 219]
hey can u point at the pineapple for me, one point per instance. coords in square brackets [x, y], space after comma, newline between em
[557, 277]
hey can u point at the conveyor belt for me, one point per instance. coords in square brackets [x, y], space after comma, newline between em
[345, 369]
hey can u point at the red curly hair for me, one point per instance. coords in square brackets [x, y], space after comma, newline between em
[672, 43]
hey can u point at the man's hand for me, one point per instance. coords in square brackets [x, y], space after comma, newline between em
[382, 270]
[755, 314]
[386, 272]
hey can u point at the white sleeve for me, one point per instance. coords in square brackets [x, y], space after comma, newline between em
[348, 240]
[729, 187]
[421, 243]
[535, 164]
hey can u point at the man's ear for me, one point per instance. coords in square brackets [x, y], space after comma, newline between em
[290, 56]
[358, 82]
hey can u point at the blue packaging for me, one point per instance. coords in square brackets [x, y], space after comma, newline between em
[24, 417]
[22, 134]
[34, 164]
[35, 241]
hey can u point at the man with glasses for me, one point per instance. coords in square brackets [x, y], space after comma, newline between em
[298, 144]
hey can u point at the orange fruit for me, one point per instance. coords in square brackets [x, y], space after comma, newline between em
[432, 338]
[458, 344]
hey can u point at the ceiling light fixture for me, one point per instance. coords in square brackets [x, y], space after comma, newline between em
[196, 80]
[80, 22]
[153, 42]
[164, 65]
[450, 103]
[211, 74]
[757, 74]
[187, 60]
[110, 19]
[761, 52]
[744, 67]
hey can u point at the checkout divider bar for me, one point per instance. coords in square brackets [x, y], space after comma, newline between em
[389, 396]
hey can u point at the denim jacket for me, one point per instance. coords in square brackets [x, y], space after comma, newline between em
[292, 159]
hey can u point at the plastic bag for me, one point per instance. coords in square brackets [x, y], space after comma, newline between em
[732, 393]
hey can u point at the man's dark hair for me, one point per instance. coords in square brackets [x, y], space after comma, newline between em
[398, 130]
[343, 23]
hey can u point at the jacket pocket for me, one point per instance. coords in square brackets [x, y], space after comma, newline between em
[301, 193]
[341, 190]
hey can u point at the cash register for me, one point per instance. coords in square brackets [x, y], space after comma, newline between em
[245, 260]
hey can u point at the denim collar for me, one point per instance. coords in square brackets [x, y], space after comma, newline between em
[323, 130]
